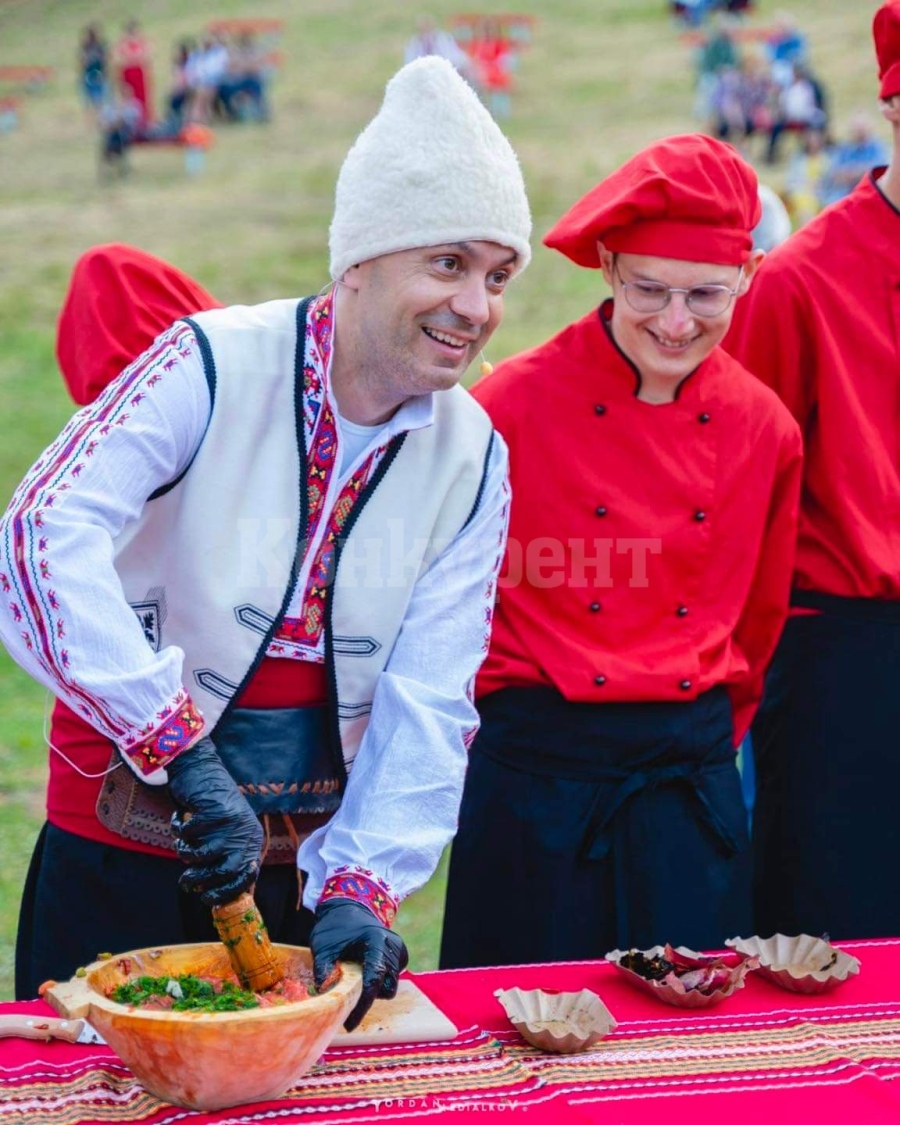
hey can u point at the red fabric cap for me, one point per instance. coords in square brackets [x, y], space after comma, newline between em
[689, 197]
[886, 33]
[119, 300]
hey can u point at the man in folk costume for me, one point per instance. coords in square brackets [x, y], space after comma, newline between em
[822, 328]
[267, 553]
[646, 582]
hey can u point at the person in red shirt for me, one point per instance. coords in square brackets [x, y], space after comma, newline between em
[655, 488]
[821, 327]
[131, 55]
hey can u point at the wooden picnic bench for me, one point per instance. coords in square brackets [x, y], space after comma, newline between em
[740, 34]
[26, 77]
[265, 27]
[512, 25]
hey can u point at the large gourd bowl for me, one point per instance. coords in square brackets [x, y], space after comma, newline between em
[208, 1060]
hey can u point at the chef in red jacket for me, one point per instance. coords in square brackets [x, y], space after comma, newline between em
[655, 488]
[822, 328]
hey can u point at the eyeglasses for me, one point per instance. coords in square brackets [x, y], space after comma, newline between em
[653, 296]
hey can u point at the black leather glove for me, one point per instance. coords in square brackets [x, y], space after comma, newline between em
[218, 834]
[345, 930]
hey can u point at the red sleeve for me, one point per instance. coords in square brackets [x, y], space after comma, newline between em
[769, 335]
[764, 614]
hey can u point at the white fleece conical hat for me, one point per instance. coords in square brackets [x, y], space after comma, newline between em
[431, 167]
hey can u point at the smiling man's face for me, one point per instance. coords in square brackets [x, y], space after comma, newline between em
[666, 346]
[425, 314]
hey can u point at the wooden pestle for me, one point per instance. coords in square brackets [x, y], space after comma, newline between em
[240, 926]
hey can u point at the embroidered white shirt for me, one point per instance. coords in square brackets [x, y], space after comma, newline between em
[402, 798]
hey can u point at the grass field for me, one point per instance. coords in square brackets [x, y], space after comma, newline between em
[600, 80]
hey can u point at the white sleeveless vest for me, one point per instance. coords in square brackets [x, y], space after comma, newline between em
[211, 562]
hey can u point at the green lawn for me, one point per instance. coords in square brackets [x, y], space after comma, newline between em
[600, 80]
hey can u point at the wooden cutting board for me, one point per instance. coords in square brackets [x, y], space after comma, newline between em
[409, 1018]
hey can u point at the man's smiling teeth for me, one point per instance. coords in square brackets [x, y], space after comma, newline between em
[667, 343]
[445, 338]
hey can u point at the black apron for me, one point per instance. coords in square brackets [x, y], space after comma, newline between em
[825, 829]
[588, 827]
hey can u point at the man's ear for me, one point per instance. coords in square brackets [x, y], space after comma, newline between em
[350, 278]
[607, 261]
[890, 109]
[750, 267]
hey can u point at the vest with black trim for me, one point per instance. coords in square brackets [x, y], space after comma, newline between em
[216, 554]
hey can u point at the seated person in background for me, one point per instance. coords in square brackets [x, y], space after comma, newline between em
[432, 40]
[119, 121]
[801, 106]
[205, 71]
[655, 486]
[848, 161]
[242, 91]
[742, 101]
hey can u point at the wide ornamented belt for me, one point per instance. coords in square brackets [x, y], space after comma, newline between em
[282, 761]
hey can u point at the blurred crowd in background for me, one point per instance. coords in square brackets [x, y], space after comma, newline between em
[220, 76]
[755, 86]
[484, 49]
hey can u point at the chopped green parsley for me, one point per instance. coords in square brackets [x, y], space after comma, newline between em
[197, 994]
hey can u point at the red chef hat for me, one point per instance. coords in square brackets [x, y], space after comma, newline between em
[886, 33]
[689, 197]
[119, 300]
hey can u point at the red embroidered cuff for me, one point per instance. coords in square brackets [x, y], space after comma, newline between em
[168, 741]
[362, 886]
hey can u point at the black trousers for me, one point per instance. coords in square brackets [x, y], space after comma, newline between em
[826, 825]
[584, 828]
[82, 898]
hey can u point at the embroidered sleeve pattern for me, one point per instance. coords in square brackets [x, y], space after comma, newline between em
[35, 606]
[365, 887]
[177, 733]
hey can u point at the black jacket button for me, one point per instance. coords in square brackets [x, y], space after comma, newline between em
[703, 418]
[599, 680]
[601, 511]
[685, 685]
[699, 516]
[595, 607]
[599, 408]
[682, 611]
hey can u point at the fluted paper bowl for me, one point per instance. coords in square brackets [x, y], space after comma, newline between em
[563, 1022]
[800, 964]
[675, 993]
[208, 1060]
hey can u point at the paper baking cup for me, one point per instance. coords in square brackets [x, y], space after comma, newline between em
[799, 964]
[564, 1022]
[676, 994]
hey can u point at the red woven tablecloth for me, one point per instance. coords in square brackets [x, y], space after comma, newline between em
[762, 1054]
